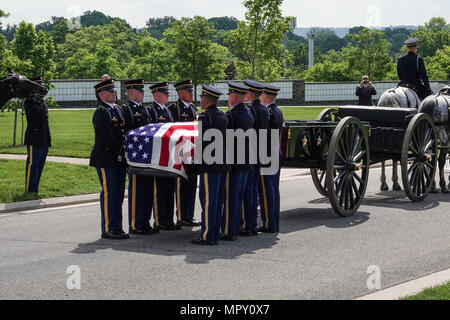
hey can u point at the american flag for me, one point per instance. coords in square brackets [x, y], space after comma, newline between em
[163, 146]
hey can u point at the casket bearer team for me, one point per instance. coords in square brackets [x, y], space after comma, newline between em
[269, 187]
[184, 111]
[261, 115]
[239, 117]
[108, 158]
[37, 139]
[163, 188]
[140, 188]
[212, 176]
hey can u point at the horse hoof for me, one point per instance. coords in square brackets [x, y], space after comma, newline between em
[396, 187]
[435, 190]
[445, 190]
[384, 187]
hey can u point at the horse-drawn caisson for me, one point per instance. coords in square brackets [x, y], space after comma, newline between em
[341, 144]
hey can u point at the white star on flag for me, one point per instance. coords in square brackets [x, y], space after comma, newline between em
[140, 147]
[130, 133]
[135, 139]
[153, 129]
[134, 154]
[145, 155]
[147, 140]
[130, 146]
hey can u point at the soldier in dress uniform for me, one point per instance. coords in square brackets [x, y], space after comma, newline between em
[140, 188]
[412, 72]
[239, 117]
[184, 111]
[37, 138]
[261, 115]
[212, 176]
[108, 158]
[269, 187]
[163, 188]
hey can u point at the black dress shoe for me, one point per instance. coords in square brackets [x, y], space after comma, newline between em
[228, 238]
[115, 235]
[169, 227]
[203, 242]
[245, 233]
[148, 231]
[190, 223]
[248, 233]
[268, 230]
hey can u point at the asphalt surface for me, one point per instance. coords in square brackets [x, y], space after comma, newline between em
[316, 255]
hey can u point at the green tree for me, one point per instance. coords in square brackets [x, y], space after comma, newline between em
[105, 61]
[194, 55]
[224, 23]
[396, 36]
[438, 66]
[326, 39]
[369, 55]
[3, 14]
[154, 64]
[81, 65]
[24, 40]
[120, 37]
[36, 50]
[432, 37]
[157, 26]
[59, 31]
[259, 38]
[328, 71]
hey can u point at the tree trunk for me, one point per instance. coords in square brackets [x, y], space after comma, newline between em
[21, 136]
[15, 127]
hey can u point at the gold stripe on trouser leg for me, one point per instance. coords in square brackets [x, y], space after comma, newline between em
[133, 202]
[205, 177]
[244, 224]
[227, 203]
[105, 200]
[29, 168]
[263, 186]
[155, 202]
[178, 198]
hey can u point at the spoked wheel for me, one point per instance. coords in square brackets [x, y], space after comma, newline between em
[419, 157]
[348, 157]
[318, 175]
[327, 115]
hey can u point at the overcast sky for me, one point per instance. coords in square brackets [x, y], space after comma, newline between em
[322, 13]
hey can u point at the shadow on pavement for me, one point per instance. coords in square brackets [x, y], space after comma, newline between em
[396, 200]
[302, 219]
[177, 243]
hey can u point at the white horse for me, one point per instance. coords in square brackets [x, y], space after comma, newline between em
[437, 106]
[398, 97]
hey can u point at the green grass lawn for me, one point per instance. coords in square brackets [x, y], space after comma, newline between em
[437, 293]
[73, 134]
[58, 179]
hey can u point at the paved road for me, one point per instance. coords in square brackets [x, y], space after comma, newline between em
[315, 256]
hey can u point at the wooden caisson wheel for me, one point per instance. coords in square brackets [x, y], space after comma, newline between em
[318, 175]
[419, 157]
[349, 159]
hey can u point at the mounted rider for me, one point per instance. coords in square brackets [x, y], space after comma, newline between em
[412, 72]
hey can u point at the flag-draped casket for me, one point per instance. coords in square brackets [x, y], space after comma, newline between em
[162, 147]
